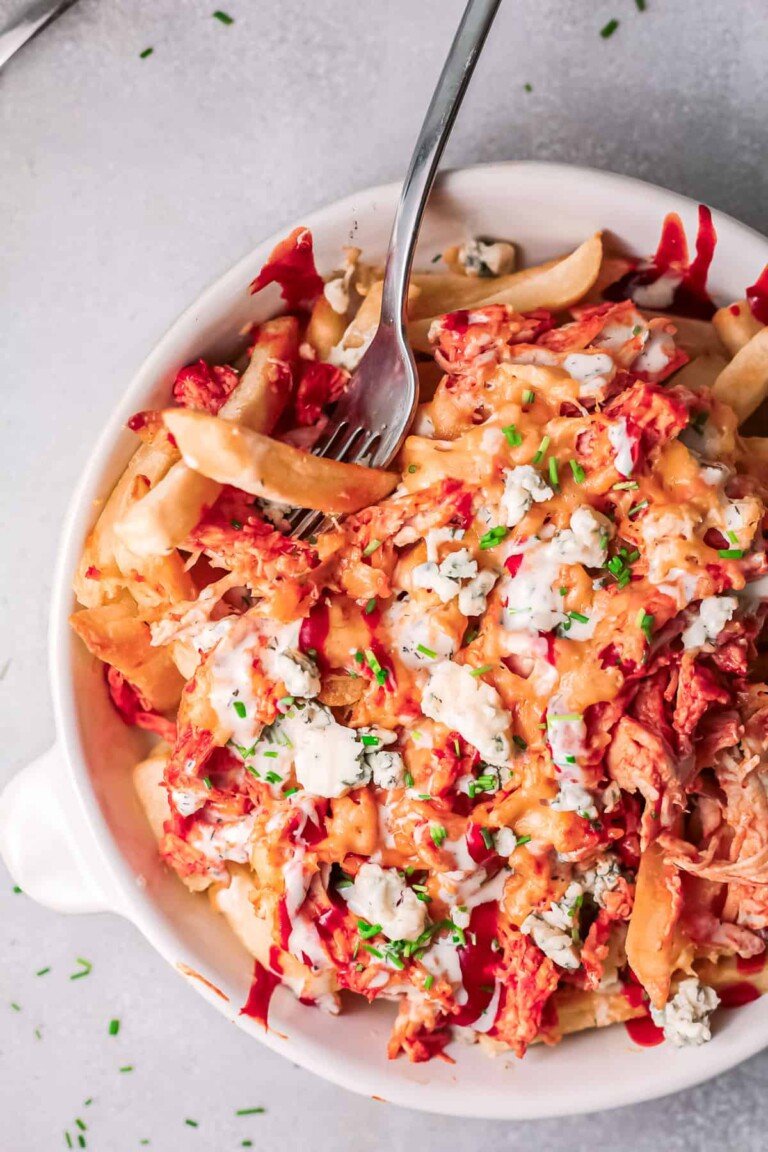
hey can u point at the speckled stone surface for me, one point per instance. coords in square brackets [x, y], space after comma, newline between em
[127, 185]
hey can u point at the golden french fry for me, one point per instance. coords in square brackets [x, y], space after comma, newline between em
[744, 382]
[325, 329]
[441, 292]
[554, 286]
[271, 469]
[117, 635]
[701, 372]
[148, 782]
[735, 325]
[162, 520]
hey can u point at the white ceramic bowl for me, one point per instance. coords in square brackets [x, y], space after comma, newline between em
[71, 830]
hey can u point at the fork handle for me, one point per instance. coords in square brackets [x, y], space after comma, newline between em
[446, 101]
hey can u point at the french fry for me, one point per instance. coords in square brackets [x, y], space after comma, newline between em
[441, 292]
[735, 325]
[701, 372]
[554, 286]
[273, 470]
[159, 523]
[325, 329]
[744, 382]
[116, 634]
[99, 578]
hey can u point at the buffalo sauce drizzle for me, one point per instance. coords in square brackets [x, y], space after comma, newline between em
[757, 297]
[265, 980]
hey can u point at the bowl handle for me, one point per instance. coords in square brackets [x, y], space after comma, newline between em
[45, 842]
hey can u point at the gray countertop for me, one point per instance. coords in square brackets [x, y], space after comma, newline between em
[127, 185]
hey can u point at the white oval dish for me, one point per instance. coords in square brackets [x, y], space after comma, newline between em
[71, 829]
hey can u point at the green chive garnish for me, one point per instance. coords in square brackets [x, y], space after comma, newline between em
[626, 486]
[438, 834]
[579, 617]
[428, 982]
[413, 468]
[223, 17]
[481, 671]
[493, 536]
[520, 743]
[730, 553]
[426, 651]
[645, 623]
[370, 606]
[370, 741]
[512, 436]
[637, 508]
[114, 1027]
[522, 840]
[579, 474]
[42, 972]
[239, 708]
[207, 782]
[147, 52]
[370, 548]
[487, 836]
[529, 395]
[249, 1111]
[608, 29]
[86, 968]
[541, 450]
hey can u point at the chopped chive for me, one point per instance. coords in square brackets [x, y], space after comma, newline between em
[428, 652]
[579, 474]
[367, 930]
[17, 890]
[379, 673]
[438, 834]
[273, 778]
[520, 743]
[42, 972]
[370, 741]
[626, 486]
[126, 1068]
[564, 717]
[223, 17]
[608, 29]
[732, 536]
[545, 442]
[374, 951]
[271, 755]
[637, 508]
[522, 840]
[147, 52]
[236, 524]
[730, 553]
[470, 635]
[493, 536]
[481, 671]
[207, 782]
[579, 617]
[413, 468]
[239, 708]
[249, 1111]
[192, 1123]
[16, 1007]
[428, 982]
[371, 548]
[408, 779]
[359, 658]
[554, 479]
[86, 968]
[640, 5]
[68, 1140]
[645, 623]
[487, 836]
[512, 436]
[370, 606]
[81, 1125]
[114, 1027]
[529, 395]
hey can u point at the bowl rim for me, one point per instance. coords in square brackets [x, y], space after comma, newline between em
[130, 900]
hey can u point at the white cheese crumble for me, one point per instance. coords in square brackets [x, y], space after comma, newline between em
[473, 597]
[713, 615]
[622, 444]
[282, 660]
[437, 536]
[486, 258]
[381, 896]
[522, 486]
[552, 929]
[685, 1018]
[387, 768]
[657, 352]
[604, 877]
[574, 797]
[415, 632]
[327, 756]
[456, 698]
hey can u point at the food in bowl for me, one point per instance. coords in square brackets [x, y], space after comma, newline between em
[490, 743]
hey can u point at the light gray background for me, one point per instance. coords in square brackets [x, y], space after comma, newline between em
[126, 185]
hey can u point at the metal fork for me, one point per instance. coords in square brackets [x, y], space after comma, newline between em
[29, 23]
[370, 421]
